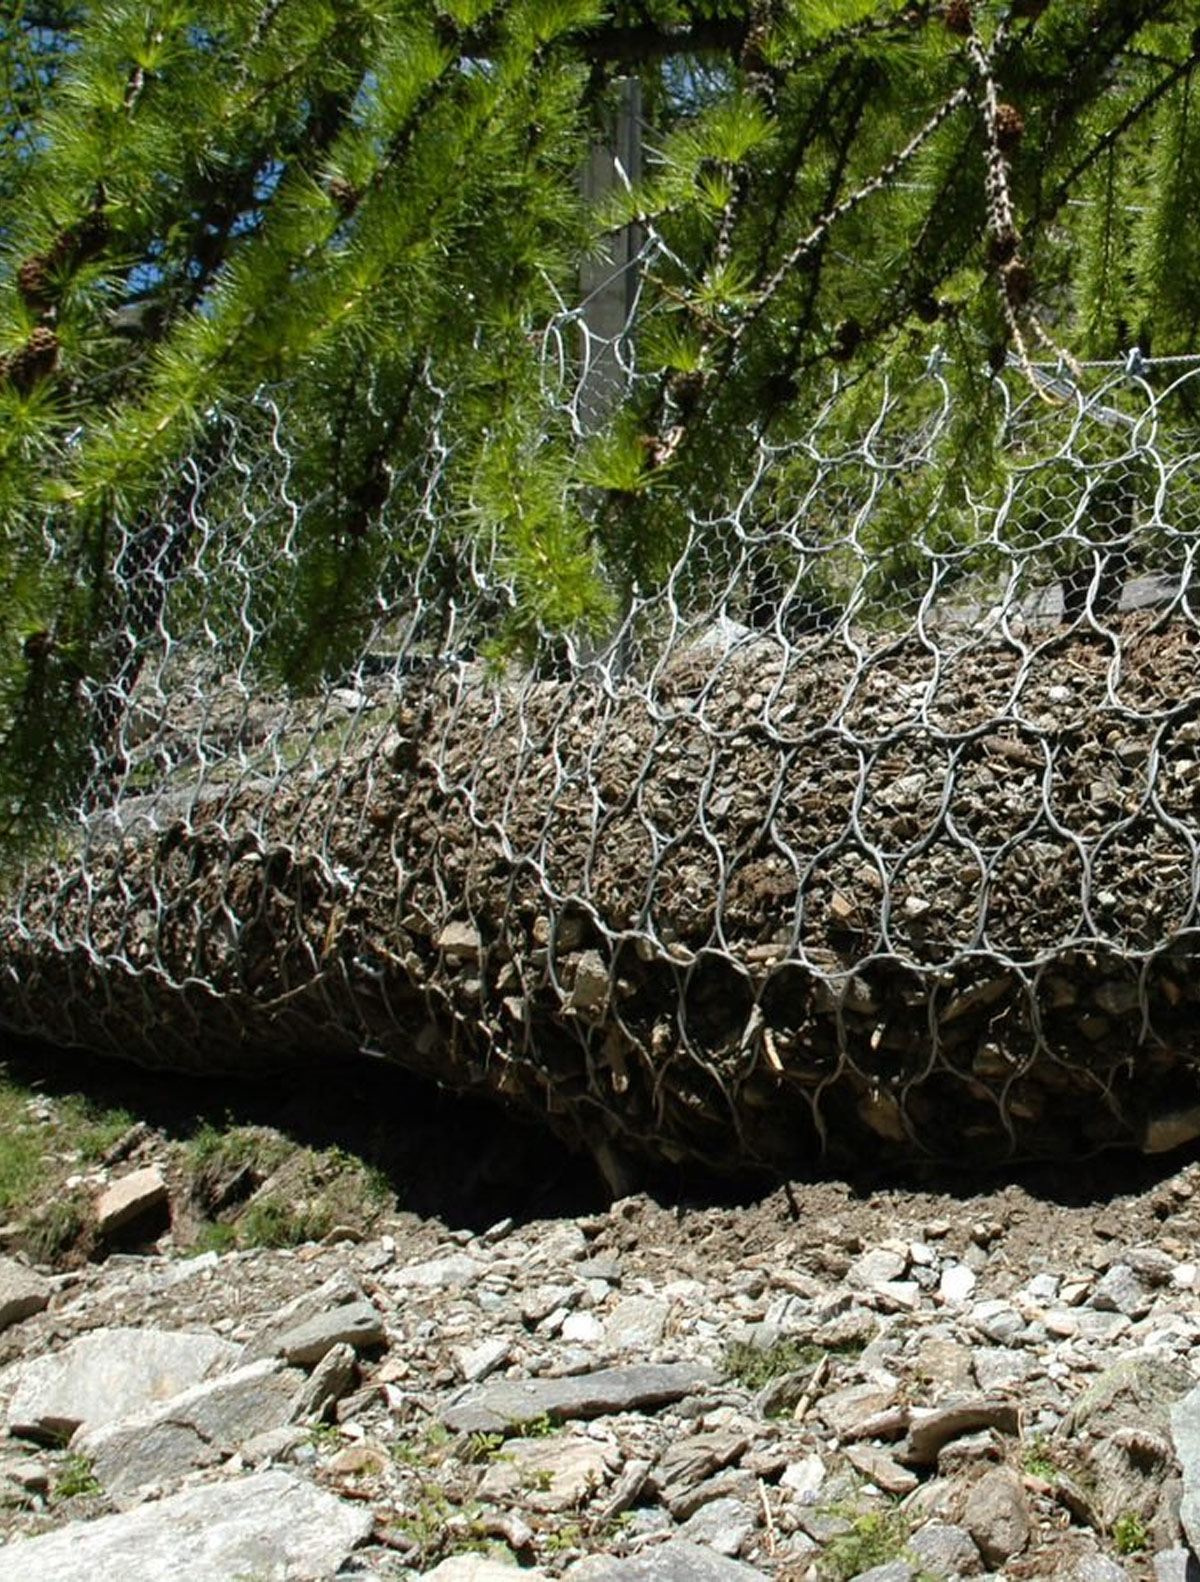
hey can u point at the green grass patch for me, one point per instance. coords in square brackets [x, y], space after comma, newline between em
[1038, 1459]
[875, 1538]
[754, 1367]
[1130, 1534]
[22, 1142]
[76, 1476]
[42, 1139]
[92, 1128]
[214, 1151]
[60, 1227]
[272, 1223]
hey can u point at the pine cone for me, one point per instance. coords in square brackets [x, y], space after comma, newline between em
[35, 361]
[1018, 281]
[956, 18]
[1010, 127]
[35, 284]
[90, 236]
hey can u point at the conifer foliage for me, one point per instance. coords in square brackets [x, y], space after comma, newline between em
[375, 208]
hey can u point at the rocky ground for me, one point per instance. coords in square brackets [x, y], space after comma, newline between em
[485, 1365]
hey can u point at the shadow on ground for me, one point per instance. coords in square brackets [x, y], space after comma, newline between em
[470, 1163]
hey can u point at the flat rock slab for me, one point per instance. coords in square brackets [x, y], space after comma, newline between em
[493, 1407]
[22, 1292]
[340, 1290]
[133, 1197]
[453, 1272]
[270, 1525]
[932, 1428]
[554, 1474]
[109, 1374]
[196, 1428]
[355, 1324]
[479, 1568]
[674, 1561]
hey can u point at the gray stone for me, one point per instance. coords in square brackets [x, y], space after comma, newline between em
[107, 1374]
[589, 995]
[876, 1267]
[329, 1381]
[269, 1524]
[477, 1362]
[196, 1428]
[558, 1473]
[356, 1324]
[1098, 1568]
[1120, 1291]
[1130, 1470]
[804, 1476]
[932, 1427]
[600, 1268]
[956, 1284]
[1185, 1434]
[675, 1561]
[583, 1329]
[480, 1568]
[997, 1320]
[734, 1483]
[690, 1461]
[997, 1515]
[722, 1524]
[494, 1406]
[1086, 1323]
[133, 1197]
[460, 941]
[23, 1292]
[847, 1410]
[538, 1302]
[1151, 1264]
[340, 1290]
[1176, 1565]
[891, 1571]
[452, 1273]
[945, 1550]
[883, 1470]
[276, 1444]
[997, 1367]
[636, 1324]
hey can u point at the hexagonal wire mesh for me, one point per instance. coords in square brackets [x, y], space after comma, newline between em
[872, 824]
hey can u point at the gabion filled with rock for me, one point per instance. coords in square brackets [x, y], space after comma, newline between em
[839, 844]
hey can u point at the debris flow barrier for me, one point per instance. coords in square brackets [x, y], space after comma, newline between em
[871, 828]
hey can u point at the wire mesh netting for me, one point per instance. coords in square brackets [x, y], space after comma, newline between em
[872, 824]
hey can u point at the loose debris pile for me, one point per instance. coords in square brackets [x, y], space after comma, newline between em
[770, 900]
